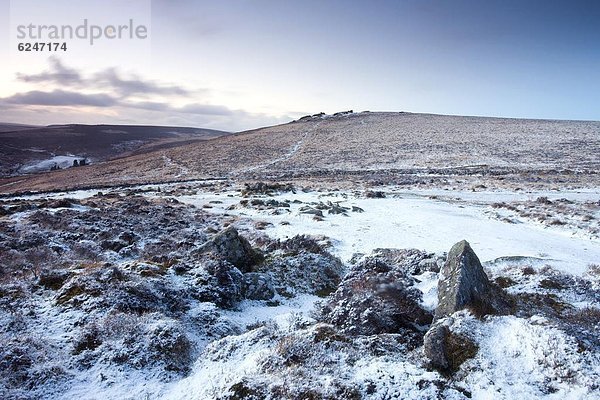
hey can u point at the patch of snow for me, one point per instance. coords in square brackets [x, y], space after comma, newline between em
[489, 196]
[520, 358]
[231, 359]
[396, 379]
[427, 284]
[287, 311]
[36, 150]
[75, 194]
[45, 165]
[414, 221]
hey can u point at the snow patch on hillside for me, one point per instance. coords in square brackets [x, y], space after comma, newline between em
[45, 165]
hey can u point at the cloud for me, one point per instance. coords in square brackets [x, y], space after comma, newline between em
[134, 85]
[58, 73]
[150, 105]
[93, 97]
[193, 108]
[60, 98]
[67, 98]
[109, 79]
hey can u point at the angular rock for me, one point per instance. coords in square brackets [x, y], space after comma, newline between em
[233, 248]
[299, 243]
[464, 284]
[446, 350]
[434, 346]
[311, 211]
[257, 286]
[222, 285]
[414, 262]
[370, 194]
[303, 272]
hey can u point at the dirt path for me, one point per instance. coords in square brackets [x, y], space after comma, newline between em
[291, 152]
[183, 171]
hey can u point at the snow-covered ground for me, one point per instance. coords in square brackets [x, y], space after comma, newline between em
[412, 219]
[517, 357]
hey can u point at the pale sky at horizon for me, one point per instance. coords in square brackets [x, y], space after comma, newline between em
[242, 64]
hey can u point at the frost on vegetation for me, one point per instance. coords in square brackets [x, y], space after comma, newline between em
[579, 216]
[528, 358]
[125, 296]
[310, 362]
[375, 298]
[90, 297]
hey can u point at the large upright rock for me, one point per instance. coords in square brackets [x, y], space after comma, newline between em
[464, 284]
[232, 247]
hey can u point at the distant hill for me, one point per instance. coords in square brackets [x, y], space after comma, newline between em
[385, 146]
[30, 149]
[9, 127]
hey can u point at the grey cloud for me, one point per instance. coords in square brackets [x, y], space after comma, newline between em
[60, 98]
[69, 98]
[150, 105]
[111, 78]
[108, 79]
[58, 73]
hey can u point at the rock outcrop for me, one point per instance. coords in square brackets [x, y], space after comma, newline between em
[375, 298]
[219, 282]
[464, 285]
[233, 248]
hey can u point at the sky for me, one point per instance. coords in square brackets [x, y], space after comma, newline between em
[242, 64]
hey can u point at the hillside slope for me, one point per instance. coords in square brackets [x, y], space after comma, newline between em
[26, 149]
[380, 145]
